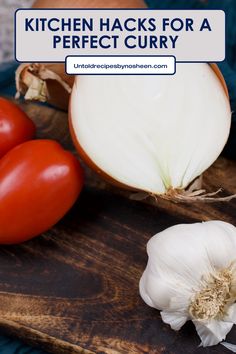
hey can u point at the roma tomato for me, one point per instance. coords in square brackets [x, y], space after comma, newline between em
[39, 182]
[15, 126]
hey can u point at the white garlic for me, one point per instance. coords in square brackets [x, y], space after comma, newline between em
[191, 275]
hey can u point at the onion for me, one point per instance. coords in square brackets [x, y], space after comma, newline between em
[155, 134]
[48, 82]
[68, 4]
[44, 83]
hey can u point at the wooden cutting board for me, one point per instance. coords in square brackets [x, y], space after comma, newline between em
[74, 289]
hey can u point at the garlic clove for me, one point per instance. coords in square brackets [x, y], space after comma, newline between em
[144, 293]
[231, 314]
[182, 266]
[212, 332]
[222, 249]
[229, 346]
[175, 319]
[164, 293]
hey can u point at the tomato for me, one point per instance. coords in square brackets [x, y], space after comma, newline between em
[39, 182]
[15, 126]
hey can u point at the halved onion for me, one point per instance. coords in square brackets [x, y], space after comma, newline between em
[155, 134]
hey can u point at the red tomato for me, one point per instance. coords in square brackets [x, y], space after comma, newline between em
[39, 182]
[15, 126]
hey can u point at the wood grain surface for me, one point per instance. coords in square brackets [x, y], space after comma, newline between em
[74, 289]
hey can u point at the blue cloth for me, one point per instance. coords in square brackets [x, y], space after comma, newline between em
[7, 74]
[13, 346]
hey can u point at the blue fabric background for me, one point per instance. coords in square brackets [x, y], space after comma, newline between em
[13, 346]
[228, 67]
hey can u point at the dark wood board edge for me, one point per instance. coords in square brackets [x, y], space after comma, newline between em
[41, 340]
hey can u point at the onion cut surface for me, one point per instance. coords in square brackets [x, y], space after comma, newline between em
[151, 133]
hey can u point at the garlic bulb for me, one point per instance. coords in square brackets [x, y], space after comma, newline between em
[191, 275]
[151, 133]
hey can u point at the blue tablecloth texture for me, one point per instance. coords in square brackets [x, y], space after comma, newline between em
[228, 67]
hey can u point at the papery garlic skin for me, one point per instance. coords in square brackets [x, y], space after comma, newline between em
[150, 132]
[182, 262]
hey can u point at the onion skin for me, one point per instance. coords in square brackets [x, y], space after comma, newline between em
[45, 83]
[103, 174]
[67, 4]
[220, 76]
[54, 91]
